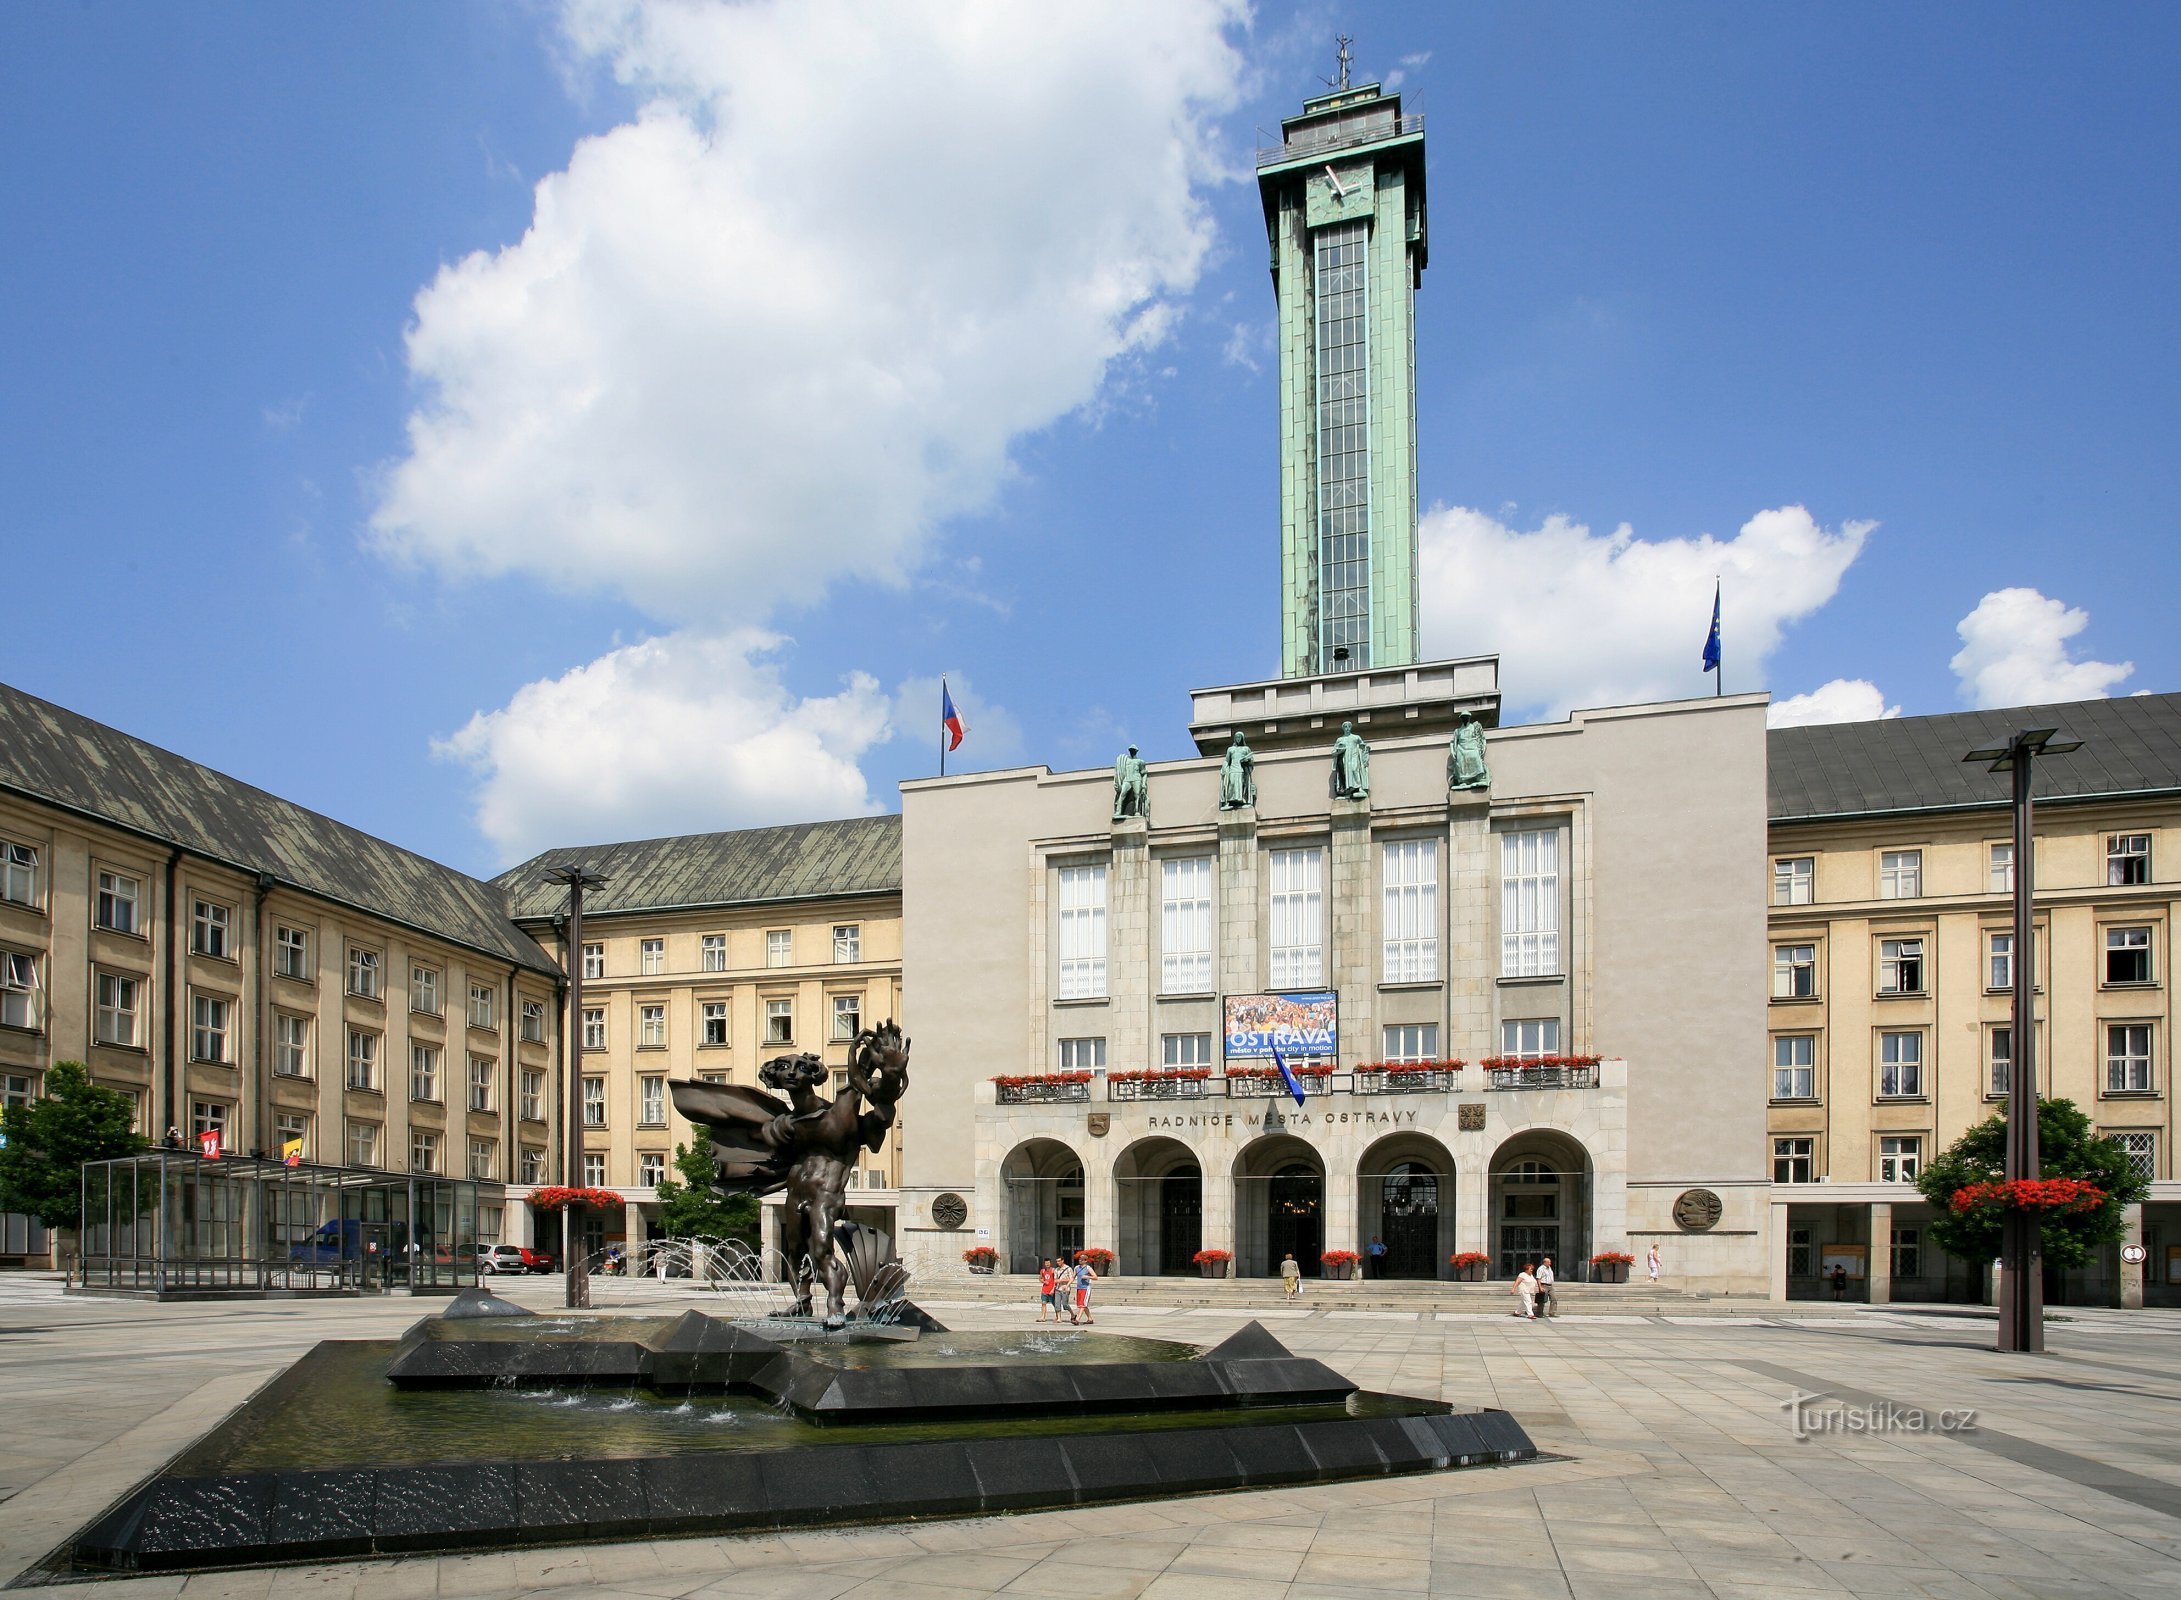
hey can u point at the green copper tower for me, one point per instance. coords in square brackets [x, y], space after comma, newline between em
[1344, 212]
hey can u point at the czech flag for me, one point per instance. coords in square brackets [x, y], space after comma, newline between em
[1287, 1073]
[949, 718]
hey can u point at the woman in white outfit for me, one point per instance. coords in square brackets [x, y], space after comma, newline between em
[1525, 1291]
[1650, 1263]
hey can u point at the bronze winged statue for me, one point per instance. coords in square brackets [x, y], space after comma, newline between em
[806, 1144]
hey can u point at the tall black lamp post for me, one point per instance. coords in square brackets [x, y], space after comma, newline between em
[2021, 1281]
[577, 879]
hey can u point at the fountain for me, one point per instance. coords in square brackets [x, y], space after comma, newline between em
[491, 1426]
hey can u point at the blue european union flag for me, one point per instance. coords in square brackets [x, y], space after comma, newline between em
[1287, 1073]
[1711, 644]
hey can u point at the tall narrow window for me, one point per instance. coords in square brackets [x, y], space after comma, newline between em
[19, 873]
[208, 1024]
[2127, 955]
[594, 1102]
[712, 1016]
[1185, 925]
[533, 1022]
[1082, 932]
[423, 1072]
[1298, 918]
[2127, 859]
[713, 951]
[117, 898]
[363, 1059]
[1794, 1066]
[1900, 966]
[779, 947]
[2001, 868]
[484, 1006]
[1999, 960]
[291, 953]
[1409, 917]
[779, 1021]
[847, 1017]
[2001, 1059]
[363, 1144]
[594, 1027]
[651, 1027]
[424, 991]
[594, 961]
[19, 991]
[208, 929]
[847, 942]
[1900, 874]
[291, 1045]
[1899, 1157]
[1344, 445]
[651, 1101]
[117, 1009]
[651, 957]
[1794, 971]
[1529, 903]
[533, 1093]
[363, 973]
[1900, 1066]
[1793, 880]
[481, 1073]
[2128, 1058]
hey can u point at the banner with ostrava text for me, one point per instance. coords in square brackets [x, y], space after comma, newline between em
[1304, 1024]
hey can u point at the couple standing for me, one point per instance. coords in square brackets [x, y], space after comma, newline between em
[1056, 1281]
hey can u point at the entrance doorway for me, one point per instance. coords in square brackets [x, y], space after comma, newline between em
[1181, 1219]
[1409, 1217]
[1043, 1180]
[1295, 1216]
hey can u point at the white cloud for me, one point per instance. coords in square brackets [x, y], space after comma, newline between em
[2014, 653]
[683, 733]
[1584, 619]
[773, 331]
[1842, 700]
[994, 738]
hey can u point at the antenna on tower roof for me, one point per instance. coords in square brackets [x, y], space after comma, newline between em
[1344, 58]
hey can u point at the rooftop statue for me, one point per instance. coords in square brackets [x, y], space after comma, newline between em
[1238, 776]
[1131, 787]
[1351, 765]
[806, 1145]
[1465, 768]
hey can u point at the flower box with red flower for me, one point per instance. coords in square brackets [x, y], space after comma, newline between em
[1611, 1266]
[1338, 1263]
[1316, 1077]
[1042, 1088]
[1158, 1083]
[1541, 1072]
[982, 1259]
[1098, 1258]
[1470, 1266]
[1213, 1263]
[1407, 1077]
[2057, 1196]
[555, 1197]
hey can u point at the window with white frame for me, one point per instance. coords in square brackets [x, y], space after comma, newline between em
[19, 873]
[594, 1169]
[291, 1044]
[779, 947]
[531, 1164]
[2128, 1058]
[1998, 960]
[2127, 859]
[1900, 874]
[651, 1169]
[533, 1094]
[721, 1077]
[1534, 1036]
[533, 1023]
[1529, 903]
[1901, 1065]
[1908, 1253]
[1794, 971]
[1185, 925]
[712, 952]
[482, 1070]
[1999, 867]
[1082, 932]
[2140, 1146]
[847, 1016]
[118, 999]
[594, 1102]
[20, 991]
[209, 1019]
[1082, 1055]
[208, 929]
[423, 1072]
[363, 972]
[484, 1006]
[1900, 966]
[15, 1089]
[1794, 880]
[651, 1101]
[779, 1021]
[594, 1027]
[651, 1027]
[594, 961]
[1999, 1059]
[424, 990]
[1411, 1041]
[481, 1167]
[291, 954]
[847, 942]
[1794, 1161]
[712, 1022]
[1185, 1050]
[118, 894]
[293, 1127]
[1298, 917]
[1409, 915]
[423, 1152]
[2127, 955]
[363, 1059]
[1900, 1157]
[651, 957]
[363, 1144]
[1794, 1066]
[208, 1116]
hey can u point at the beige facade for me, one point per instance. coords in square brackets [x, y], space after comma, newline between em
[1617, 835]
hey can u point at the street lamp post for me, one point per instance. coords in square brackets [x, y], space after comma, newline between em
[577, 879]
[2021, 1283]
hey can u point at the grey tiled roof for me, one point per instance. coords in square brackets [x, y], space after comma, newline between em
[52, 754]
[802, 861]
[2131, 745]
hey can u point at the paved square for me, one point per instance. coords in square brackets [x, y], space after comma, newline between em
[1678, 1473]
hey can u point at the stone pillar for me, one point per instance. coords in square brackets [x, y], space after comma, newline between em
[1101, 1219]
[1340, 1202]
[1470, 966]
[632, 1216]
[1352, 954]
[1473, 1204]
[1130, 958]
[1880, 1261]
[2131, 1272]
[1241, 966]
[1778, 1246]
[1217, 1227]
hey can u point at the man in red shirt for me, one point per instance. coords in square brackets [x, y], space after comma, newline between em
[1045, 1286]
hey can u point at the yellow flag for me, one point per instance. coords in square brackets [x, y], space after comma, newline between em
[292, 1152]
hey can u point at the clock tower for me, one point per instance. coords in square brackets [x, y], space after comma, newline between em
[1343, 194]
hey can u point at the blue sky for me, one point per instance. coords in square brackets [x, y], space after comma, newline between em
[862, 345]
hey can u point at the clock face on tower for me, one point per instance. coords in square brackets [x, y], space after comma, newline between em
[1340, 194]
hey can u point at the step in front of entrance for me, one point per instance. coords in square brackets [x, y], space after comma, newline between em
[1418, 1298]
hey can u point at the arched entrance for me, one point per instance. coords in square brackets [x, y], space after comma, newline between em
[1405, 1200]
[1043, 1184]
[1279, 1206]
[1159, 1191]
[1540, 1200]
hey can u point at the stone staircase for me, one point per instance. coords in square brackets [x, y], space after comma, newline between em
[1391, 1296]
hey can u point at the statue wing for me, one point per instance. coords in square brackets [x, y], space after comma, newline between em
[738, 1118]
[725, 1106]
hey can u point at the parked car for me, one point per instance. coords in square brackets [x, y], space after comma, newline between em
[512, 1258]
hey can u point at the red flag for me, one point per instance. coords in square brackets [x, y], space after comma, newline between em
[208, 1144]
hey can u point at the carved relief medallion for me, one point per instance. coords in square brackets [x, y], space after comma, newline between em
[1697, 1210]
[949, 1211]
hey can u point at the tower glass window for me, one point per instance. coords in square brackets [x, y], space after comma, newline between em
[1344, 444]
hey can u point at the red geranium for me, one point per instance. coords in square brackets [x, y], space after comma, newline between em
[1020, 1080]
[555, 1196]
[2029, 1194]
[1496, 1063]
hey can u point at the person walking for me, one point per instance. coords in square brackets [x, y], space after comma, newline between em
[1084, 1278]
[1650, 1261]
[1525, 1293]
[1047, 1279]
[1376, 1252]
[1545, 1282]
[1291, 1278]
[1063, 1288]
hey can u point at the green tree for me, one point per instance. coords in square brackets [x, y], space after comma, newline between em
[47, 1142]
[693, 1209]
[2067, 1147]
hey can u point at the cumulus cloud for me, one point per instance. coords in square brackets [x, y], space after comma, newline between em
[683, 733]
[1842, 700]
[2014, 652]
[774, 330]
[1588, 619]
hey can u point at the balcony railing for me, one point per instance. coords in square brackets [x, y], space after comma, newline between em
[1273, 1088]
[1437, 1081]
[1157, 1088]
[1542, 1077]
[1042, 1094]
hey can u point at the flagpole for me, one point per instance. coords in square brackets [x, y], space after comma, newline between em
[1719, 677]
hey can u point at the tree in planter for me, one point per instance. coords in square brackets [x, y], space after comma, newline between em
[48, 1141]
[1966, 1186]
[693, 1209]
